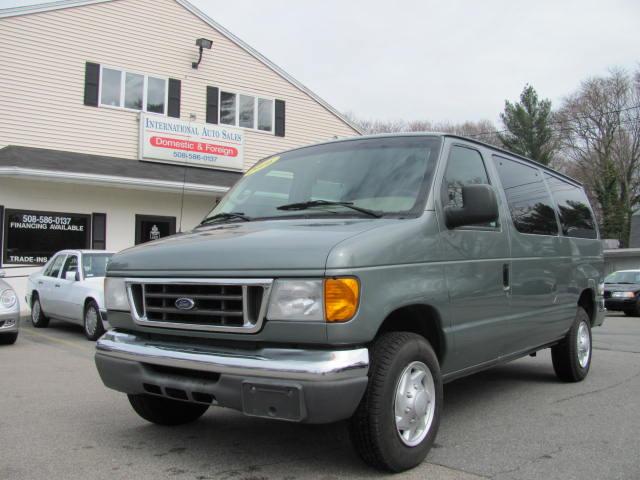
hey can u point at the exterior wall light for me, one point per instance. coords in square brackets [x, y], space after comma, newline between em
[202, 43]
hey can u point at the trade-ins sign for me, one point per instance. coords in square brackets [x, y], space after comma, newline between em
[31, 237]
[171, 140]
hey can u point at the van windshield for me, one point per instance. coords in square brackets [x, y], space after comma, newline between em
[387, 176]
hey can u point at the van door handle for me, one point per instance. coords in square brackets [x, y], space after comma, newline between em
[57, 285]
[506, 278]
[40, 282]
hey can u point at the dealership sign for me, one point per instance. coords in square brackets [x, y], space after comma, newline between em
[171, 140]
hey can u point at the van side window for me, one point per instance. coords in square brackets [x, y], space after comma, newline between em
[465, 167]
[529, 202]
[573, 208]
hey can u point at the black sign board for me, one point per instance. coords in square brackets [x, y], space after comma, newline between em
[153, 227]
[32, 237]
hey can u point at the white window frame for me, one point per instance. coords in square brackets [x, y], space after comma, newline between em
[255, 110]
[123, 74]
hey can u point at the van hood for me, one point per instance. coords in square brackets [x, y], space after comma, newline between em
[259, 245]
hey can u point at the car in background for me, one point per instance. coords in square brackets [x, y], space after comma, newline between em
[70, 287]
[621, 292]
[9, 313]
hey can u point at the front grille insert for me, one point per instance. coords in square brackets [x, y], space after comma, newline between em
[209, 304]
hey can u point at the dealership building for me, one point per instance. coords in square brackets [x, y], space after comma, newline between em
[124, 121]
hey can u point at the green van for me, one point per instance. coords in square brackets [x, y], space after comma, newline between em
[350, 280]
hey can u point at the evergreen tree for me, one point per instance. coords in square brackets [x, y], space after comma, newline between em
[528, 127]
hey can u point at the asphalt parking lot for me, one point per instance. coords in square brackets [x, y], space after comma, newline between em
[516, 421]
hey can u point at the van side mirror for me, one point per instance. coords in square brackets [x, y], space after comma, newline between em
[480, 205]
[2, 274]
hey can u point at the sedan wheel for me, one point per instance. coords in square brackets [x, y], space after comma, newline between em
[38, 318]
[93, 328]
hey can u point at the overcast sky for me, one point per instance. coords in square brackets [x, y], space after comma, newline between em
[434, 60]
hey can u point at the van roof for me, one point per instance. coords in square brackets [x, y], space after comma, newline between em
[451, 135]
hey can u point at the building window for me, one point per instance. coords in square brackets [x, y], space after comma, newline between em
[246, 111]
[33, 237]
[133, 91]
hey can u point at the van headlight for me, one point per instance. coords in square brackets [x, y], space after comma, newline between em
[8, 299]
[115, 294]
[296, 300]
[331, 300]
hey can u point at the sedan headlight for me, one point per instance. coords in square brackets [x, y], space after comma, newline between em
[330, 300]
[623, 294]
[115, 294]
[8, 299]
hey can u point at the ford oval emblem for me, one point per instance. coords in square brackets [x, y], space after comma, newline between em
[184, 303]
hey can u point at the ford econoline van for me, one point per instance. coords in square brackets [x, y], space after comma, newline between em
[349, 280]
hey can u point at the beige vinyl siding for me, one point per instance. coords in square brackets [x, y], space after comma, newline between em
[42, 78]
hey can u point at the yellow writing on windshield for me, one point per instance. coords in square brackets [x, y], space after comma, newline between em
[261, 165]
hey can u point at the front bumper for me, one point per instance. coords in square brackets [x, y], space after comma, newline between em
[302, 385]
[10, 321]
[620, 304]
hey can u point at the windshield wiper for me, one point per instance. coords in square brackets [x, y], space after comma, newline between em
[225, 216]
[320, 203]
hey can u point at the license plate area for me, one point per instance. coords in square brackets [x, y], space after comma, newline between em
[271, 400]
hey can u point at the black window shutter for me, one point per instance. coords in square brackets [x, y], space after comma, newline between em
[1, 234]
[279, 130]
[99, 231]
[173, 109]
[91, 83]
[212, 104]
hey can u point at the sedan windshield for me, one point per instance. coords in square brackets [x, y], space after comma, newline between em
[365, 178]
[95, 264]
[623, 277]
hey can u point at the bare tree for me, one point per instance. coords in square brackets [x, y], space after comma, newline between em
[599, 129]
[484, 130]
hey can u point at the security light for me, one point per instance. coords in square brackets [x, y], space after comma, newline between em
[202, 43]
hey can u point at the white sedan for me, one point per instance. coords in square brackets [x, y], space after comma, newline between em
[70, 287]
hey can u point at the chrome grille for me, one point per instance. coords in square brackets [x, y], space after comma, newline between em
[207, 304]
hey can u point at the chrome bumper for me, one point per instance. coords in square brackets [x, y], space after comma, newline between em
[274, 363]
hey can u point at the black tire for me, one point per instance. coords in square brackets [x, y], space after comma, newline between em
[373, 426]
[8, 338]
[38, 318]
[164, 411]
[95, 332]
[565, 356]
[630, 313]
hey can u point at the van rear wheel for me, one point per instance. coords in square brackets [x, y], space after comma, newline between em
[397, 420]
[572, 357]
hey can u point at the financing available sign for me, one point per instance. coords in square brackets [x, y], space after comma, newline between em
[170, 140]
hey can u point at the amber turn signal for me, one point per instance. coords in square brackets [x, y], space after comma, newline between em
[341, 297]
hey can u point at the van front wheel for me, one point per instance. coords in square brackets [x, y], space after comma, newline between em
[397, 420]
[572, 357]
[165, 411]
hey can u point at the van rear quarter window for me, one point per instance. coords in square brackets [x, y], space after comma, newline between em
[573, 208]
[529, 202]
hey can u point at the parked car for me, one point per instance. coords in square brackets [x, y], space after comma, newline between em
[9, 313]
[70, 287]
[622, 292]
[350, 280]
